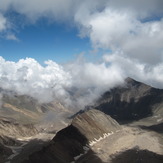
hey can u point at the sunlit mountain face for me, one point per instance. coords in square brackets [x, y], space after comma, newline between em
[85, 72]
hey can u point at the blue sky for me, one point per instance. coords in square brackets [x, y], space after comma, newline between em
[50, 29]
[43, 41]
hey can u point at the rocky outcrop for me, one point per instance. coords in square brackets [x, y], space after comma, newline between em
[94, 124]
[133, 101]
[75, 140]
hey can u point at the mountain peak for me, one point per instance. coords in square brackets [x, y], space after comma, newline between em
[134, 101]
[132, 82]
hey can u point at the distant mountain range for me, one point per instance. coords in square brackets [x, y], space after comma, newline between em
[124, 125]
[26, 109]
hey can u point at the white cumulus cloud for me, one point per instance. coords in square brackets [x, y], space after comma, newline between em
[29, 77]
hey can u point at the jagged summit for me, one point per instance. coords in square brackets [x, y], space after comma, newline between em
[132, 82]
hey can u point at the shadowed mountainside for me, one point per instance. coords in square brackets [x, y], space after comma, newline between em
[4, 152]
[157, 128]
[136, 155]
[131, 102]
[72, 142]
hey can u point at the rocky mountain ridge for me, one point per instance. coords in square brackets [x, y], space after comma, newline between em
[133, 101]
[75, 140]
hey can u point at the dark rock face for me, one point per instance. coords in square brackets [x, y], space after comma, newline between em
[136, 155]
[132, 102]
[67, 144]
[74, 140]
[157, 128]
[8, 141]
[4, 152]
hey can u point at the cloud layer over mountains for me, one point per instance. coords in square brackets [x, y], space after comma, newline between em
[130, 30]
[77, 83]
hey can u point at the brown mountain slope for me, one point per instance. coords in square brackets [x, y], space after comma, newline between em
[25, 109]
